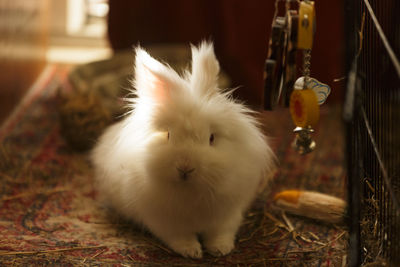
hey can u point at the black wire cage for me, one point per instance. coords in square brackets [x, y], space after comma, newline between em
[372, 115]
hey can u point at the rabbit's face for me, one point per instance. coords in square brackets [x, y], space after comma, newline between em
[188, 147]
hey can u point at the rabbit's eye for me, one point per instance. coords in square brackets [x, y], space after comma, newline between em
[212, 139]
[167, 135]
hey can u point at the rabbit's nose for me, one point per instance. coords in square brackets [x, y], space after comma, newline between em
[184, 172]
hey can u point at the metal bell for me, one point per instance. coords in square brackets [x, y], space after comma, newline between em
[303, 143]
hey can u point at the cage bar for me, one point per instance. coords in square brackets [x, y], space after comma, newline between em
[372, 114]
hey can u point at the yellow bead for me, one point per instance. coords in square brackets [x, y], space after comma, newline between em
[304, 108]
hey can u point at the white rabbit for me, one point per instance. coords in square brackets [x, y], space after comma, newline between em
[187, 161]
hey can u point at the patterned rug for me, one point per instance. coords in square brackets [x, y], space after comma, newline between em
[49, 215]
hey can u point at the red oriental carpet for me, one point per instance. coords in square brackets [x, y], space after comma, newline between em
[49, 215]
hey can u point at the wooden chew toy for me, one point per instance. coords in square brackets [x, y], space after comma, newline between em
[306, 25]
[313, 205]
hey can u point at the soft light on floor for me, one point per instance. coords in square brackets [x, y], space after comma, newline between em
[77, 55]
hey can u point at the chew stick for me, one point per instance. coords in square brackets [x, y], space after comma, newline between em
[313, 205]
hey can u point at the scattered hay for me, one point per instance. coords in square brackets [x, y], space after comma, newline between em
[58, 250]
[371, 229]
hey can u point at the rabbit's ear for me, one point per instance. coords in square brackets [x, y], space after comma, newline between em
[205, 69]
[153, 80]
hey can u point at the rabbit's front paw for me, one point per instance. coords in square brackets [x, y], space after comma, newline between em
[219, 246]
[191, 249]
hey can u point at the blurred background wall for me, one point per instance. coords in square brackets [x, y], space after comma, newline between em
[37, 32]
[240, 30]
[23, 44]
[34, 33]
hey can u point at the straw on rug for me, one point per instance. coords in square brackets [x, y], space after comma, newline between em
[49, 214]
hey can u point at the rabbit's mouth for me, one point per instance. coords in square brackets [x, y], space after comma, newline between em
[185, 172]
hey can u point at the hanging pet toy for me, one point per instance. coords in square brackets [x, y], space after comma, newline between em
[292, 34]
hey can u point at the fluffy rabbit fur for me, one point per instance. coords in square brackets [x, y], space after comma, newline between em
[187, 160]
